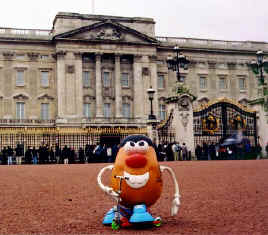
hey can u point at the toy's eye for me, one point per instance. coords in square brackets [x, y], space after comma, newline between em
[132, 144]
[129, 145]
[142, 145]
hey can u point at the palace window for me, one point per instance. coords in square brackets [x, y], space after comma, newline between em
[222, 83]
[87, 110]
[106, 79]
[203, 83]
[20, 110]
[162, 112]
[242, 83]
[43, 57]
[86, 79]
[20, 57]
[107, 110]
[44, 78]
[44, 111]
[126, 110]
[161, 81]
[20, 78]
[124, 80]
[182, 78]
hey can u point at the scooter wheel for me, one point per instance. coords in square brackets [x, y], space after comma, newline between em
[115, 225]
[157, 222]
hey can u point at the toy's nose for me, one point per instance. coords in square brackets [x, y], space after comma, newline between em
[136, 161]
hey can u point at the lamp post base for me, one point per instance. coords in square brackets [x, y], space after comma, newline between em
[151, 117]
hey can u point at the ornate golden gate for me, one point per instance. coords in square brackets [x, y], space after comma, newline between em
[166, 133]
[222, 118]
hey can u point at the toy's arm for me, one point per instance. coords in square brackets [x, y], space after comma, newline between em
[176, 200]
[106, 189]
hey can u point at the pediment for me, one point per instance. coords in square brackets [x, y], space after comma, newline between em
[45, 96]
[21, 96]
[107, 31]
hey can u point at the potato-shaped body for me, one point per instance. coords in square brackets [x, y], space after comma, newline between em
[136, 161]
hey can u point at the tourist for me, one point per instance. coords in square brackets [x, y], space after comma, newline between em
[184, 152]
[4, 156]
[72, 156]
[10, 153]
[57, 153]
[198, 152]
[35, 156]
[169, 152]
[160, 152]
[65, 155]
[81, 155]
[98, 153]
[19, 153]
[28, 155]
[109, 154]
[205, 151]
[259, 151]
[175, 150]
[114, 151]
[51, 155]
[211, 151]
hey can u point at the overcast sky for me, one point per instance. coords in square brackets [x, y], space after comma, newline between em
[238, 20]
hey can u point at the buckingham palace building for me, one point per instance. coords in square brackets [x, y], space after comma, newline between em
[86, 80]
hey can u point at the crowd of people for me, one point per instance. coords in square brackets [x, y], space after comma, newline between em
[101, 153]
[240, 151]
[173, 152]
[46, 154]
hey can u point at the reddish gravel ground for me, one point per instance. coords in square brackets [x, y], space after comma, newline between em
[218, 197]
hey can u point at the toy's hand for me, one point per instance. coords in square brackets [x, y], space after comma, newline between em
[111, 192]
[175, 205]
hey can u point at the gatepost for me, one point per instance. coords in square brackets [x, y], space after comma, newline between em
[261, 106]
[182, 104]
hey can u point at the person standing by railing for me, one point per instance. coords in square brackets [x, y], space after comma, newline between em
[35, 156]
[10, 153]
[19, 153]
[58, 153]
[4, 156]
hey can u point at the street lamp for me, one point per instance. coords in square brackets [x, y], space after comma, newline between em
[177, 62]
[150, 93]
[257, 66]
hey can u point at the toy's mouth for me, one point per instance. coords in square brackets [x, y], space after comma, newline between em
[136, 181]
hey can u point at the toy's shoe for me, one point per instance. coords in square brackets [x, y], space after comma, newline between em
[108, 218]
[141, 215]
[124, 222]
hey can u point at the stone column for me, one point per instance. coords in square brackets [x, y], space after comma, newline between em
[138, 88]
[212, 78]
[78, 84]
[99, 98]
[154, 77]
[61, 83]
[118, 96]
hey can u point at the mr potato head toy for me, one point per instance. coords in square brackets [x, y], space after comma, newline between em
[136, 184]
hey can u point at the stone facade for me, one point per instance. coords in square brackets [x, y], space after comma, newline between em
[106, 48]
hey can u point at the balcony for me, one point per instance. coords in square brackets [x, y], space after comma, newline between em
[26, 122]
